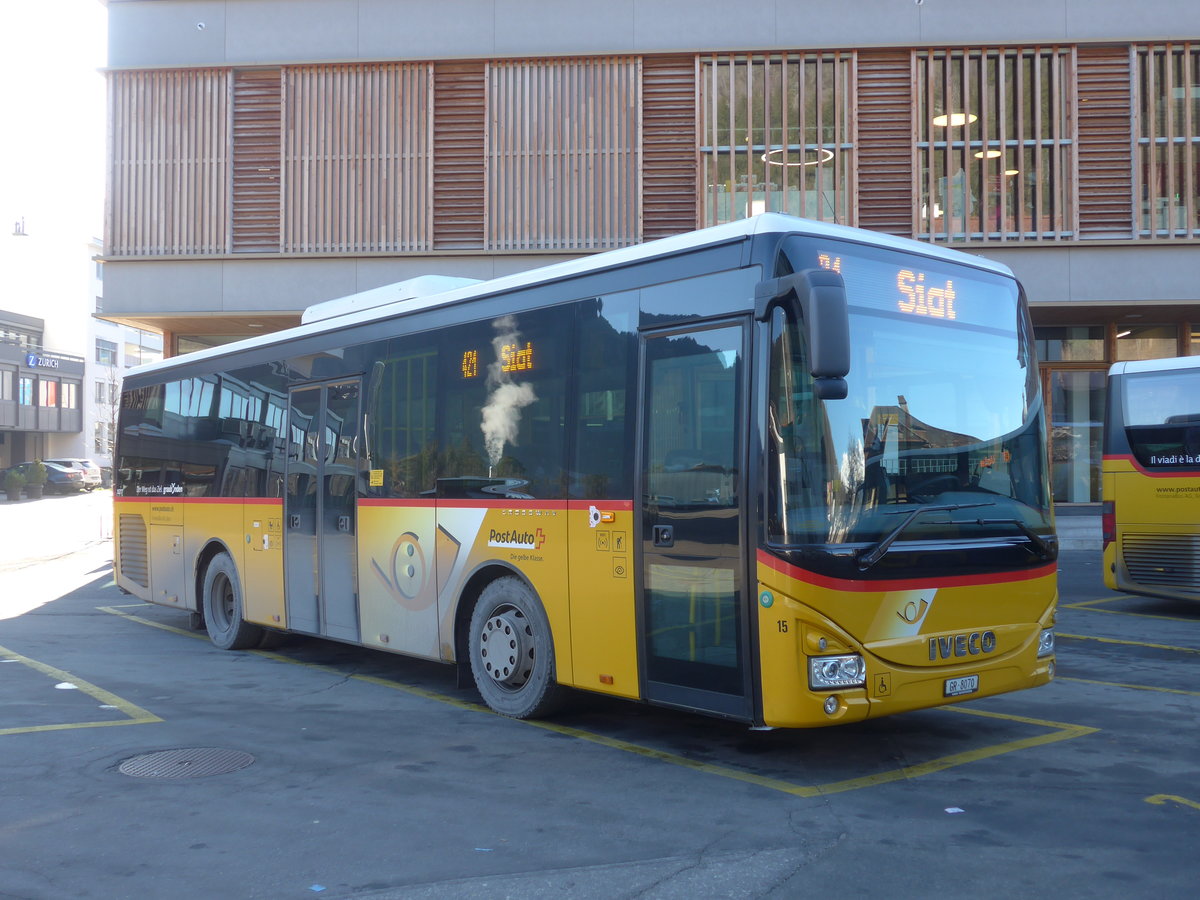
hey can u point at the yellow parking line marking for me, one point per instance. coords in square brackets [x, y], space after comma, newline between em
[1090, 606]
[1060, 732]
[1161, 800]
[1104, 640]
[1132, 687]
[1083, 604]
[136, 715]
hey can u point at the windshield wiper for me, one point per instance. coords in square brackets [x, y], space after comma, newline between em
[879, 549]
[1043, 550]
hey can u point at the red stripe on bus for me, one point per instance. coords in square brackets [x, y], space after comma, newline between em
[241, 501]
[1192, 472]
[903, 584]
[410, 502]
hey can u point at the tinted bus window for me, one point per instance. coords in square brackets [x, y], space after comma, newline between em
[503, 386]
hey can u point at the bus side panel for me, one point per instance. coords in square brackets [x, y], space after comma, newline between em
[166, 539]
[131, 544]
[603, 618]
[207, 521]
[397, 577]
[262, 573]
[531, 539]
[912, 639]
[1157, 525]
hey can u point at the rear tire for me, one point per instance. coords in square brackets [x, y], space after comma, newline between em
[223, 611]
[512, 652]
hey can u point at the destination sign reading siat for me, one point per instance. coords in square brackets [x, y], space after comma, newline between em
[513, 358]
[948, 294]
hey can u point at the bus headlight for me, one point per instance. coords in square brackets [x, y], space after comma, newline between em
[1046, 643]
[826, 672]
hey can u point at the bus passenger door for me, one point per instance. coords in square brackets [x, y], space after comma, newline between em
[693, 616]
[320, 510]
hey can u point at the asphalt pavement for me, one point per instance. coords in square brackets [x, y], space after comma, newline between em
[138, 761]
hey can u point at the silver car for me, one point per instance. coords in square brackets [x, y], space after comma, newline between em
[88, 469]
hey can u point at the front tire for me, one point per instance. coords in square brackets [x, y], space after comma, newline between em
[512, 652]
[223, 610]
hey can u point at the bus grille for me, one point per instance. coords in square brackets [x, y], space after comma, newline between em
[1166, 559]
[133, 549]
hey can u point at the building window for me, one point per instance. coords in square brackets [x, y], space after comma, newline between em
[777, 136]
[100, 442]
[6, 384]
[1167, 167]
[26, 391]
[1070, 343]
[1147, 341]
[70, 395]
[994, 148]
[106, 352]
[101, 392]
[47, 393]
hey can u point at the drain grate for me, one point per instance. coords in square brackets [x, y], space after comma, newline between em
[186, 762]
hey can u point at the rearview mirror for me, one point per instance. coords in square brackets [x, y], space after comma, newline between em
[816, 297]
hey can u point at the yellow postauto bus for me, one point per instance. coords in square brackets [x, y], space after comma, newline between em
[778, 471]
[1151, 478]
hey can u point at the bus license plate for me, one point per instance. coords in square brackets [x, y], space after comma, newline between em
[956, 687]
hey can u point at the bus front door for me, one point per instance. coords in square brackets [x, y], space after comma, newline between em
[320, 510]
[693, 616]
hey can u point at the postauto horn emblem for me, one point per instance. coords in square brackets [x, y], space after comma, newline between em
[968, 644]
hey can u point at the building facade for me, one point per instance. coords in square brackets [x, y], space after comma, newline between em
[270, 154]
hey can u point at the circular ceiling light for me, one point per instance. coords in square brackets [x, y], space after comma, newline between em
[954, 119]
[823, 155]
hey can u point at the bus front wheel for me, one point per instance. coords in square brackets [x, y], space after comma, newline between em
[512, 653]
[223, 612]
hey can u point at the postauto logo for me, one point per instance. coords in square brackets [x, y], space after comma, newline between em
[515, 539]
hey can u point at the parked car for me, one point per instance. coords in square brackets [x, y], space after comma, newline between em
[59, 479]
[91, 471]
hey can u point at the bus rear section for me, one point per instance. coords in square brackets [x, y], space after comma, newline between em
[1151, 478]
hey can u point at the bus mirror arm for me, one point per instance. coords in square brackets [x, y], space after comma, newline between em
[818, 298]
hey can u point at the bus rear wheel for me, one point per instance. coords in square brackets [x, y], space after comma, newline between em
[512, 653]
[223, 611]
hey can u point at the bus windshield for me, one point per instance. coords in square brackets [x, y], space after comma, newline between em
[1161, 411]
[943, 409]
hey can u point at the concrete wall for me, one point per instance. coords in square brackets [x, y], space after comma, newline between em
[145, 33]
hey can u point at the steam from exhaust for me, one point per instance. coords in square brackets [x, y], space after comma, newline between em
[502, 415]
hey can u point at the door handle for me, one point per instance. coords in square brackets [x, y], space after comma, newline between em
[664, 535]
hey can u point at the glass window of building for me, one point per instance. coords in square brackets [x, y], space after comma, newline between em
[26, 391]
[994, 147]
[777, 136]
[6, 383]
[1070, 343]
[1147, 341]
[106, 352]
[1167, 165]
[1076, 429]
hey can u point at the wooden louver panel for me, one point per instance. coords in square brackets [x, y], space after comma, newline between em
[1105, 151]
[669, 166]
[168, 163]
[257, 111]
[356, 158]
[885, 142]
[460, 109]
[563, 154]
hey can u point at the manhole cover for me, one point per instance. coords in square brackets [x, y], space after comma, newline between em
[188, 762]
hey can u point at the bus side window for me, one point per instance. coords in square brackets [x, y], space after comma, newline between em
[605, 356]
